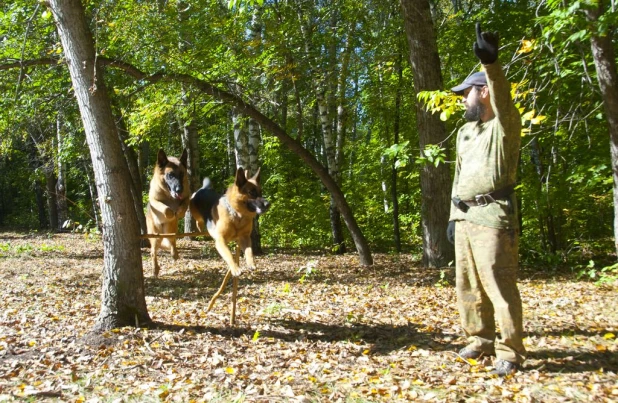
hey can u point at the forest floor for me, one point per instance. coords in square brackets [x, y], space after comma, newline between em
[342, 333]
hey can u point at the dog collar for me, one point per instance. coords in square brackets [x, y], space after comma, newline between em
[229, 207]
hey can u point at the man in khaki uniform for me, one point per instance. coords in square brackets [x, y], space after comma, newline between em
[483, 219]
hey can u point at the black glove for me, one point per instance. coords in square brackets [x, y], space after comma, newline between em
[486, 45]
[450, 232]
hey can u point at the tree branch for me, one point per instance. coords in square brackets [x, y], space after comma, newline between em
[251, 111]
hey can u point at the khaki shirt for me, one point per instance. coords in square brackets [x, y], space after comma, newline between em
[487, 157]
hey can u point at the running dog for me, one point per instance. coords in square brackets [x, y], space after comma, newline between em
[168, 200]
[229, 217]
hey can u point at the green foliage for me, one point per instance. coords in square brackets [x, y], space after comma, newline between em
[444, 102]
[51, 248]
[308, 271]
[432, 154]
[604, 275]
[273, 308]
[565, 177]
[442, 281]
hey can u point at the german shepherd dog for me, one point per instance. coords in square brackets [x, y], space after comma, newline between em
[168, 200]
[229, 217]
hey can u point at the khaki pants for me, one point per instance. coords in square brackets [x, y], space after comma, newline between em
[486, 266]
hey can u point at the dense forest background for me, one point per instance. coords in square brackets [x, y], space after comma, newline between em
[336, 77]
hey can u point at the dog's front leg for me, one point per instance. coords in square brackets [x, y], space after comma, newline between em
[162, 208]
[245, 245]
[227, 256]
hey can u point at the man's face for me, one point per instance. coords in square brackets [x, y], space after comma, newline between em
[474, 106]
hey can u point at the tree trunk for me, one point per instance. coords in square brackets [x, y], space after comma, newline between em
[241, 142]
[435, 181]
[190, 143]
[61, 187]
[231, 152]
[605, 64]
[136, 180]
[52, 205]
[93, 195]
[189, 130]
[142, 161]
[122, 301]
[40, 203]
[394, 195]
[254, 152]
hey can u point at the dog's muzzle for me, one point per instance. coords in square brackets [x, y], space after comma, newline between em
[260, 206]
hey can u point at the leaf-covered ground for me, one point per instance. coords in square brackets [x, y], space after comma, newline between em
[343, 333]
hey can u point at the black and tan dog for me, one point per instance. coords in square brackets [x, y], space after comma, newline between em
[168, 200]
[229, 217]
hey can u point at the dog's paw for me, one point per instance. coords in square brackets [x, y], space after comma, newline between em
[169, 213]
[236, 271]
[251, 267]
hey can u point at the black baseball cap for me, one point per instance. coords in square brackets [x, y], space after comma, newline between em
[478, 78]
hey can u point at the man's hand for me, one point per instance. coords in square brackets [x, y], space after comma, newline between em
[486, 45]
[450, 232]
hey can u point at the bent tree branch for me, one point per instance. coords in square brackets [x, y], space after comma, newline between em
[359, 239]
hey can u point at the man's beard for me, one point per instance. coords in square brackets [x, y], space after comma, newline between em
[474, 112]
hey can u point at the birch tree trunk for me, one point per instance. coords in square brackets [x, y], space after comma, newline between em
[122, 297]
[435, 181]
[241, 141]
[325, 91]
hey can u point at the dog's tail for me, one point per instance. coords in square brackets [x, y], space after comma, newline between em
[206, 184]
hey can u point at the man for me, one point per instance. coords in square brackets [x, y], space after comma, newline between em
[483, 221]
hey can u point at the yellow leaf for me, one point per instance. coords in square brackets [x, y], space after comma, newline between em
[472, 361]
[538, 119]
[230, 370]
[528, 115]
[366, 352]
[412, 348]
[527, 46]
[609, 336]
[32, 343]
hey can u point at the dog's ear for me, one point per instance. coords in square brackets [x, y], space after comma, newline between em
[161, 158]
[240, 177]
[256, 177]
[183, 158]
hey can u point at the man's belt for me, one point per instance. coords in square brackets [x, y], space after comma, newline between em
[484, 199]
